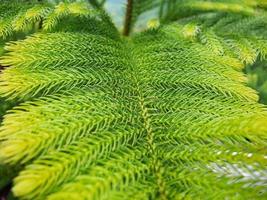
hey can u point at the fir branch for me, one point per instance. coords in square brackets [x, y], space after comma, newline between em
[166, 114]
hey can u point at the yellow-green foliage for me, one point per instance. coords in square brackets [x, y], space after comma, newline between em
[164, 114]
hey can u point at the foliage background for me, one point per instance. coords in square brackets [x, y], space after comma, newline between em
[258, 79]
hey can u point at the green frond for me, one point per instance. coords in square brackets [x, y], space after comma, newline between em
[65, 9]
[30, 17]
[233, 28]
[236, 36]
[116, 173]
[178, 9]
[83, 154]
[165, 114]
[33, 17]
[104, 115]
[5, 28]
[8, 10]
[218, 6]
[49, 74]
[213, 42]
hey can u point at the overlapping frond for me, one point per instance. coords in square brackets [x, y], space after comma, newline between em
[25, 17]
[25, 20]
[177, 9]
[233, 28]
[167, 11]
[233, 35]
[63, 10]
[8, 11]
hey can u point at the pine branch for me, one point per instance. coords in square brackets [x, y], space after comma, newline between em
[166, 114]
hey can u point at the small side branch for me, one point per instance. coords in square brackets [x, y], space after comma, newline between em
[128, 18]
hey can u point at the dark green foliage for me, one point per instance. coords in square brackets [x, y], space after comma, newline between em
[257, 75]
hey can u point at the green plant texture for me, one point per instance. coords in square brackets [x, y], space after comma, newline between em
[163, 113]
[257, 75]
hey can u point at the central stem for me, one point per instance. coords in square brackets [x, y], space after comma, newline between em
[128, 18]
